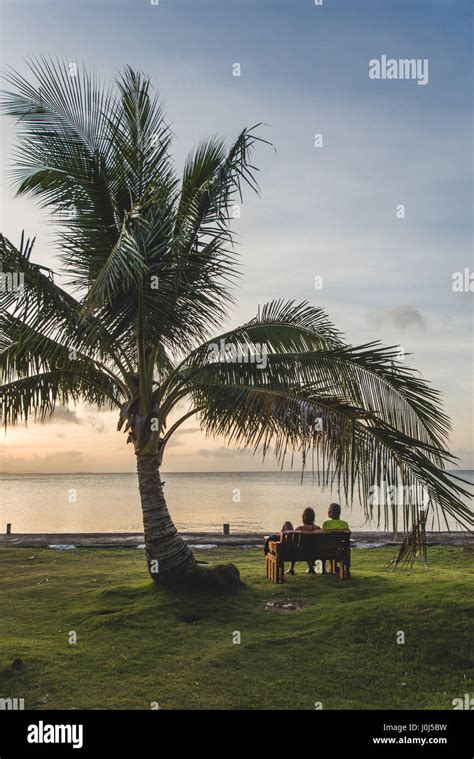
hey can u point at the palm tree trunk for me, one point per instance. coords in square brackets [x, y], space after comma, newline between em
[169, 558]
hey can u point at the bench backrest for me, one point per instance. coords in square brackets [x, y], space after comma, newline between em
[310, 546]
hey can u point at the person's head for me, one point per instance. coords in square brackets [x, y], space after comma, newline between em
[287, 527]
[334, 511]
[308, 516]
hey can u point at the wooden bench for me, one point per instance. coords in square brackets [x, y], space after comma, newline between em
[334, 546]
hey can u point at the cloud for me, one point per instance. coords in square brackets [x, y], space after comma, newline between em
[185, 431]
[173, 443]
[221, 453]
[54, 461]
[73, 456]
[403, 317]
[96, 423]
[62, 415]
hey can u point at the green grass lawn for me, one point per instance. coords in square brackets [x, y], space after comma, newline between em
[137, 644]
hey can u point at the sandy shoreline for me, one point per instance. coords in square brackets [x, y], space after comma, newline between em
[134, 539]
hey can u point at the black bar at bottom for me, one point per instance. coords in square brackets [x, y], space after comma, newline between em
[370, 733]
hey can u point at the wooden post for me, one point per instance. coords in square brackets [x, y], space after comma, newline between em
[9, 528]
[226, 529]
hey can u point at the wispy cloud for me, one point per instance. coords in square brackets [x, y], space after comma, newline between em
[403, 317]
[62, 415]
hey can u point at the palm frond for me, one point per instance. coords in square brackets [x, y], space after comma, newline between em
[365, 423]
[39, 394]
[303, 349]
[346, 446]
[46, 308]
[64, 150]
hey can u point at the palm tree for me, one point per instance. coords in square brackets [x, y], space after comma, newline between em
[150, 260]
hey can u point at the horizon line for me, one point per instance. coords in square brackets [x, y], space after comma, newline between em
[227, 471]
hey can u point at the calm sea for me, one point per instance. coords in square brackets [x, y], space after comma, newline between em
[248, 501]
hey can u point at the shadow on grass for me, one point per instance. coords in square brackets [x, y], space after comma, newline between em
[214, 579]
[141, 604]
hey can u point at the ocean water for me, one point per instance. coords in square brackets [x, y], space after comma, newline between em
[248, 501]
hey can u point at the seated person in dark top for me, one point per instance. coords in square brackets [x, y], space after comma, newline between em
[287, 527]
[307, 526]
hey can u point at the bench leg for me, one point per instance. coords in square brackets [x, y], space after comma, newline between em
[345, 573]
[274, 569]
[269, 566]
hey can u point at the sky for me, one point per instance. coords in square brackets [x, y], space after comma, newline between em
[328, 213]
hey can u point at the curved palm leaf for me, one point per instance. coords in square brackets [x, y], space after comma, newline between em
[41, 393]
[43, 306]
[363, 418]
[303, 349]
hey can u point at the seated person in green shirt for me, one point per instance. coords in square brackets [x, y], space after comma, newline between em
[335, 522]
